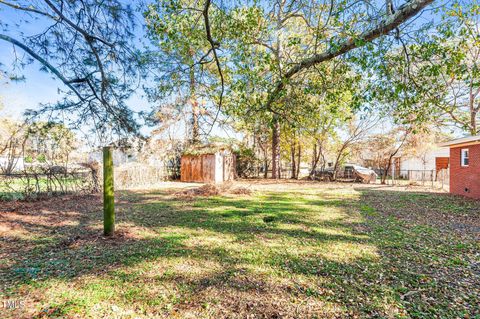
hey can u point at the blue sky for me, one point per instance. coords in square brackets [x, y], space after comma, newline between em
[38, 87]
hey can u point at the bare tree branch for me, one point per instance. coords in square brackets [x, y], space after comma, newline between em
[28, 9]
[75, 26]
[214, 45]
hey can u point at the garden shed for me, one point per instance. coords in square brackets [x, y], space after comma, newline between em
[208, 164]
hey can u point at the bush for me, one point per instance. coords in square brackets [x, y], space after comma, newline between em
[11, 196]
[246, 162]
[42, 158]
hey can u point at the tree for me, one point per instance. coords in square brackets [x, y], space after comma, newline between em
[354, 131]
[327, 41]
[259, 51]
[290, 42]
[183, 69]
[421, 142]
[382, 148]
[13, 137]
[51, 141]
[47, 142]
[390, 22]
[320, 137]
[441, 74]
[87, 45]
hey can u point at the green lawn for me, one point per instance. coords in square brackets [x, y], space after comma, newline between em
[294, 250]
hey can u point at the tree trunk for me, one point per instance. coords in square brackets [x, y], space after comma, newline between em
[195, 109]
[389, 163]
[299, 158]
[337, 161]
[265, 167]
[473, 123]
[385, 172]
[317, 152]
[292, 156]
[12, 156]
[276, 148]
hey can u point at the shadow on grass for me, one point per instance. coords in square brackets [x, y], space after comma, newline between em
[429, 242]
[156, 226]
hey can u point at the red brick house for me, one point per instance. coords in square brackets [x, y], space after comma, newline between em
[465, 166]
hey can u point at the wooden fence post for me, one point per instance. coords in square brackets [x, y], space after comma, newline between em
[108, 193]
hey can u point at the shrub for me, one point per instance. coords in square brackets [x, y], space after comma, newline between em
[246, 161]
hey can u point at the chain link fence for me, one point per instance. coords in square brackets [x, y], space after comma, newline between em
[32, 185]
[435, 179]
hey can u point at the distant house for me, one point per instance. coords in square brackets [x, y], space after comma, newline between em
[465, 166]
[434, 160]
[208, 164]
[16, 164]
[119, 157]
[125, 150]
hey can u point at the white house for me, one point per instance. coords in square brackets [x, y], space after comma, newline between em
[434, 160]
[18, 163]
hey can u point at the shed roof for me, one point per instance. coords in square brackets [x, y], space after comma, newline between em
[468, 140]
[211, 148]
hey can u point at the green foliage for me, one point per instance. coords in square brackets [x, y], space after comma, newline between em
[177, 30]
[49, 142]
[11, 196]
[436, 80]
[87, 46]
[246, 161]
[41, 158]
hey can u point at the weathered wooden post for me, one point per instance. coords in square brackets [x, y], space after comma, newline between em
[108, 193]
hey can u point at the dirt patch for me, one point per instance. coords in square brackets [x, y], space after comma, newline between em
[240, 191]
[205, 190]
[214, 190]
[57, 204]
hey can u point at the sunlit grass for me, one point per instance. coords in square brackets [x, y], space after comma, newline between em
[292, 252]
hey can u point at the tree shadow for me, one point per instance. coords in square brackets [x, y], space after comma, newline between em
[64, 242]
[429, 243]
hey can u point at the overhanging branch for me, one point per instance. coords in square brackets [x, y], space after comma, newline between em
[214, 45]
[42, 61]
[404, 13]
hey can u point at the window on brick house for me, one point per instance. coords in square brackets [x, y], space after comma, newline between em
[464, 157]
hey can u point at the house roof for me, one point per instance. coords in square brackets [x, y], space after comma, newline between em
[468, 140]
[439, 151]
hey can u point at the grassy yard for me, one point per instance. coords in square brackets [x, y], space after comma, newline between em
[290, 250]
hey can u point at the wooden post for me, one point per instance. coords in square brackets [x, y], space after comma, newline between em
[108, 193]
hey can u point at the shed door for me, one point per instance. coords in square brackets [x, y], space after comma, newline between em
[441, 163]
